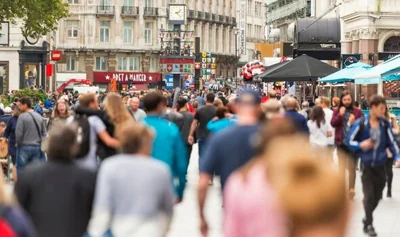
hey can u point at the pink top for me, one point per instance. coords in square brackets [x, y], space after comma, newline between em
[252, 208]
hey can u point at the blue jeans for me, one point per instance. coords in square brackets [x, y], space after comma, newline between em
[202, 142]
[28, 154]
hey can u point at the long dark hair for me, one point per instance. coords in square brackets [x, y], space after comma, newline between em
[344, 94]
[317, 115]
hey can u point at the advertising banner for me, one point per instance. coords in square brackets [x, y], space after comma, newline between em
[242, 27]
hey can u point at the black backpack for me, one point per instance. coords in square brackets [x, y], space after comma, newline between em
[83, 135]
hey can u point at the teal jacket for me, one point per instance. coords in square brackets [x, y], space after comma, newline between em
[169, 147]
[220, 124]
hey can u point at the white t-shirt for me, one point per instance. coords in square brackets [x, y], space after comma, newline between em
[328, 118]
[318, 136]
[90, 160]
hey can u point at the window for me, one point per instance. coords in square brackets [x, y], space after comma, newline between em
[128, 32]
[148, 31]
[71, 63]
[128, 63]
[104, 31]
[105, 2]
[148, 3]
[257, 8]
[153, 65]
[128, 3]
[101, 63]
[73, 2]
[249, 7]
[248, 33]
[72, 28]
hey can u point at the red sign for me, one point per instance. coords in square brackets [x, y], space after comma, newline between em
[49, 70]
[197, 65]
[56, 55]
[169, 68]
[124, 77]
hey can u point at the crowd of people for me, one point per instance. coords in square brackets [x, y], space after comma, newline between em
[116, 165]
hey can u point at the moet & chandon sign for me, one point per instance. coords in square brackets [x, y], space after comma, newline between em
[242, 27]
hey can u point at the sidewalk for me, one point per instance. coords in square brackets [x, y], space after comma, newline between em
[186, 222]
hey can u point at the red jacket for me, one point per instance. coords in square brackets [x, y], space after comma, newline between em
[338, 122]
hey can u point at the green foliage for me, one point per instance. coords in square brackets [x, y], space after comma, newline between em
[39, 16]
[35, 95]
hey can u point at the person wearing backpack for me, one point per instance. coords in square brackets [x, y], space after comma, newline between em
[90, 127]
[370, 138]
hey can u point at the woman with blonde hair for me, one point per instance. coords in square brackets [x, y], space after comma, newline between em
[116, 111]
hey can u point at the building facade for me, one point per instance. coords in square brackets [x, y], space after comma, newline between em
[124, 35]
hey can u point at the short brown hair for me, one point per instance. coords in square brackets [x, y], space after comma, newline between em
[133, 136]
[86, 99]
[376, 100]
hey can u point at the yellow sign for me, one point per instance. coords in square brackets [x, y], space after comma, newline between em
[213, 66]
[204, 54]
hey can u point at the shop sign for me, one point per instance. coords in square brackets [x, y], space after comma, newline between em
[242, 27]
[348, 59]
[386, 56]
[125, 77]
[56, 55]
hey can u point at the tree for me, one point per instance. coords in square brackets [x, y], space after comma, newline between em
[39, 16]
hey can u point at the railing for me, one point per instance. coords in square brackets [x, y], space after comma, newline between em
[200, 15]
[150, 11]
[105, 10]
[233, 21]
[221, 18]
[191, 14]
[207, 16]
[130, 11]
[213, 17]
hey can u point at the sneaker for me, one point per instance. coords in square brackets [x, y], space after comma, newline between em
[389, 193]
[352, 194]
[365, 225]
[370, 231]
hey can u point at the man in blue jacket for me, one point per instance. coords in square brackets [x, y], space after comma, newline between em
[291, 113]
[168, 145]
[370, 138]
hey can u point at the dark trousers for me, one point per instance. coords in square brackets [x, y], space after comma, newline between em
[389, 173]
[189, 149]
[373, 181]
[202, 142]
[350, 164]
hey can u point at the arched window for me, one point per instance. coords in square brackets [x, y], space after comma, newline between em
[392, 44]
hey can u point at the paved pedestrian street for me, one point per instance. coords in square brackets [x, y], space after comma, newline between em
[186, 222]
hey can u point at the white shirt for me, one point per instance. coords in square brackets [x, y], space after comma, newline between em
[318, 136]
[328, 118]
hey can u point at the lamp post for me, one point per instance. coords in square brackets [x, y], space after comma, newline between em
[236, 32]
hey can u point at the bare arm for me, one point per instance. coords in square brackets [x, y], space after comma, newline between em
[108, 140]
[192, 129]
[201, 196]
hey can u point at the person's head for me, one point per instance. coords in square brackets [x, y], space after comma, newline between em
[272, 95]
[335, 101]
[271, 108]
[62, 144]
[25, 104]
[40, 103]
[312, 193]
[231, 107]
[249, 105]
[134, 103]
[182, 104]
[116, 110]
[61, 109]
[218, 103]
[305, 105]
[89, 100]
[324, 102]
[125, 99]
[318, 101]
[362, 97]
[195, 105]
[291, 103]
[192, 97]
[154, 103]
[346, 100]
[8, 111]
[221, 112]
[356, 104]
[377, 106]
[317, 115]
[16, 112]
[135, 138]
[210, 98]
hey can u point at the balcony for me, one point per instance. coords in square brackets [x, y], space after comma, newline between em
[213, 17]
[200, 15]
[234, 23]
[150, 12]
[207, 16]
[221, 19]
[128, 11]
[191, 14]
[108, 11]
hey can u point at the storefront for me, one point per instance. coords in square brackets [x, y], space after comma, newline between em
[32, 62]
[127, 80]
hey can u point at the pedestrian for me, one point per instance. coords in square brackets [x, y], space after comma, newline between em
[134, 109]
[57, 194]
[272, 109]
[319, 128]
[390, 161]
[229, 149]
[364, 103]
[343, 118]
[370, 137]
[305, 110]
[299, 120]
[7, 115]
[187, 122]
[9, 134]
[312, 193]
[39, 108]
[335, 103]
[257, 198]
[29, 134]
[124, 204]
[324, 103]
[92, 127]
[13, 220]
[168, 145]
[203, 115]
[221, 121]
[60, 113]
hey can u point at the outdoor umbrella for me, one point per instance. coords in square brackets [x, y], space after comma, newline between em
[346, 74]
[384, 71]
[303, 68]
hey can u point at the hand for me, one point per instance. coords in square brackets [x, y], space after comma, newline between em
[342, 111]
[329, 134]
[215, 119]
[191, 140]
[352, 119]
[367, 145]
[203, 227]
[178, 200]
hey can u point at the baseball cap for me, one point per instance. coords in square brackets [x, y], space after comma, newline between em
[249, 97]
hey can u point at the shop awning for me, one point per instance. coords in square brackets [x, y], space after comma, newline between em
[346, 74]
[384, 71]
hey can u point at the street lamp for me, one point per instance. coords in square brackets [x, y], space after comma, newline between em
[236, 32]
